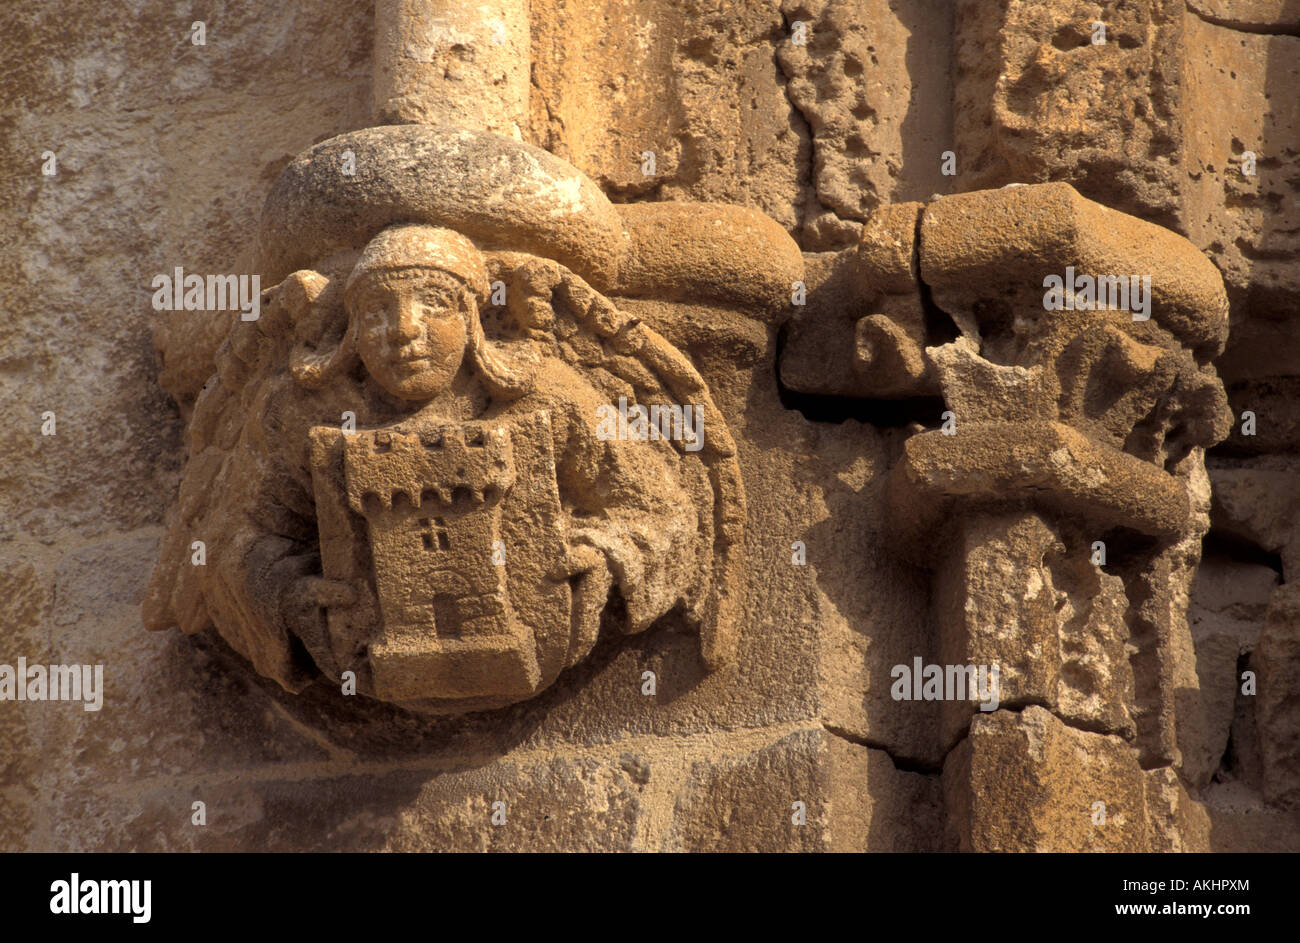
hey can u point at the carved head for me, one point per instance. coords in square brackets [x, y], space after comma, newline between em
[413, 300]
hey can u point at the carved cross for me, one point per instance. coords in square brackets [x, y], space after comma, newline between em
[433, 533]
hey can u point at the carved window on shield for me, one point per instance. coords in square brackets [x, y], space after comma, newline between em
[433, 533]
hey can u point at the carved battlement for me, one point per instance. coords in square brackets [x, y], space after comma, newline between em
[454, 467]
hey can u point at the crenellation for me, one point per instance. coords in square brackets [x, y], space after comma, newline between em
[642, 426]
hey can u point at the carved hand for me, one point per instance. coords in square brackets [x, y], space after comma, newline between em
[591, 579]
[303, 606]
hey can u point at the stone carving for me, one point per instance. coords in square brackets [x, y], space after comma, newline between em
[1068, 433]
[397, 478]
[1070, 427]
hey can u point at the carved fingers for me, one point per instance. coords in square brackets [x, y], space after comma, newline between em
[304, 607]
[591, 580]
[325, 593]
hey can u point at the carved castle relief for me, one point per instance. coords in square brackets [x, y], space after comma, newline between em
[836, 426]
[457, 547]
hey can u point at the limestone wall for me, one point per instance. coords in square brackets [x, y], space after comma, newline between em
[164, 153]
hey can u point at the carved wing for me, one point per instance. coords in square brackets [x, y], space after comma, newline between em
[620, 354]
[207, 568]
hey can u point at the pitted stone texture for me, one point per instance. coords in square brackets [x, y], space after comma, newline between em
[979, 390]
[1027, 782]
[1238, 99]
[164, 159]
[579, 804]
[1037, 100]
[1008, 594]
[695, 85]
[878, 135]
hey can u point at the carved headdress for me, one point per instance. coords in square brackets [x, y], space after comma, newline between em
[419, 246]
[326, 343]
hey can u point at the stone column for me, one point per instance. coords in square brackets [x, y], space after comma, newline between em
[453, 63]
[1059, 506]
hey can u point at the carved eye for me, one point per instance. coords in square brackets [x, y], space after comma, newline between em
[439, 303]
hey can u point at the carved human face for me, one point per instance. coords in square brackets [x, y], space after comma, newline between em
[411, 330]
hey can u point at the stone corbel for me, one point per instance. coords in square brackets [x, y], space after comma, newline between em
[377, 549]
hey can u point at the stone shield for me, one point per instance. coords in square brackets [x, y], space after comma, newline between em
[458, 530]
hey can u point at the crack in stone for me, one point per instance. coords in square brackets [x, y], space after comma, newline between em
[900, 764]
[1259, 29]
[811, 196]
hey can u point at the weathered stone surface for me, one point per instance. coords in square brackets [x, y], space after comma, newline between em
[452, 64]
[1177, 822]
[850, 80]
[1205, 713]
[1003, 243]
[734, 140]
[1278, 658]
[1229, 602]
[1006, 594]
[1238, 104]
[1270, 16]
[1017, 772]
[810, 791]
[1038, 98]
[1257, 505]
[454, 550]
[23, 600]
[486, 186]
[579, 804]
[780, 212]
[1240, 822]
[988, 465]
[693, 252]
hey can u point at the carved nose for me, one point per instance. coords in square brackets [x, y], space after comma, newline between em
[407, 325]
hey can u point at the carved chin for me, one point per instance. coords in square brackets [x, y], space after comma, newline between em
[416, 380]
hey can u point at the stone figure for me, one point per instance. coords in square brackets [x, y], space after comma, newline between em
[399, 470]
[384, 487]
